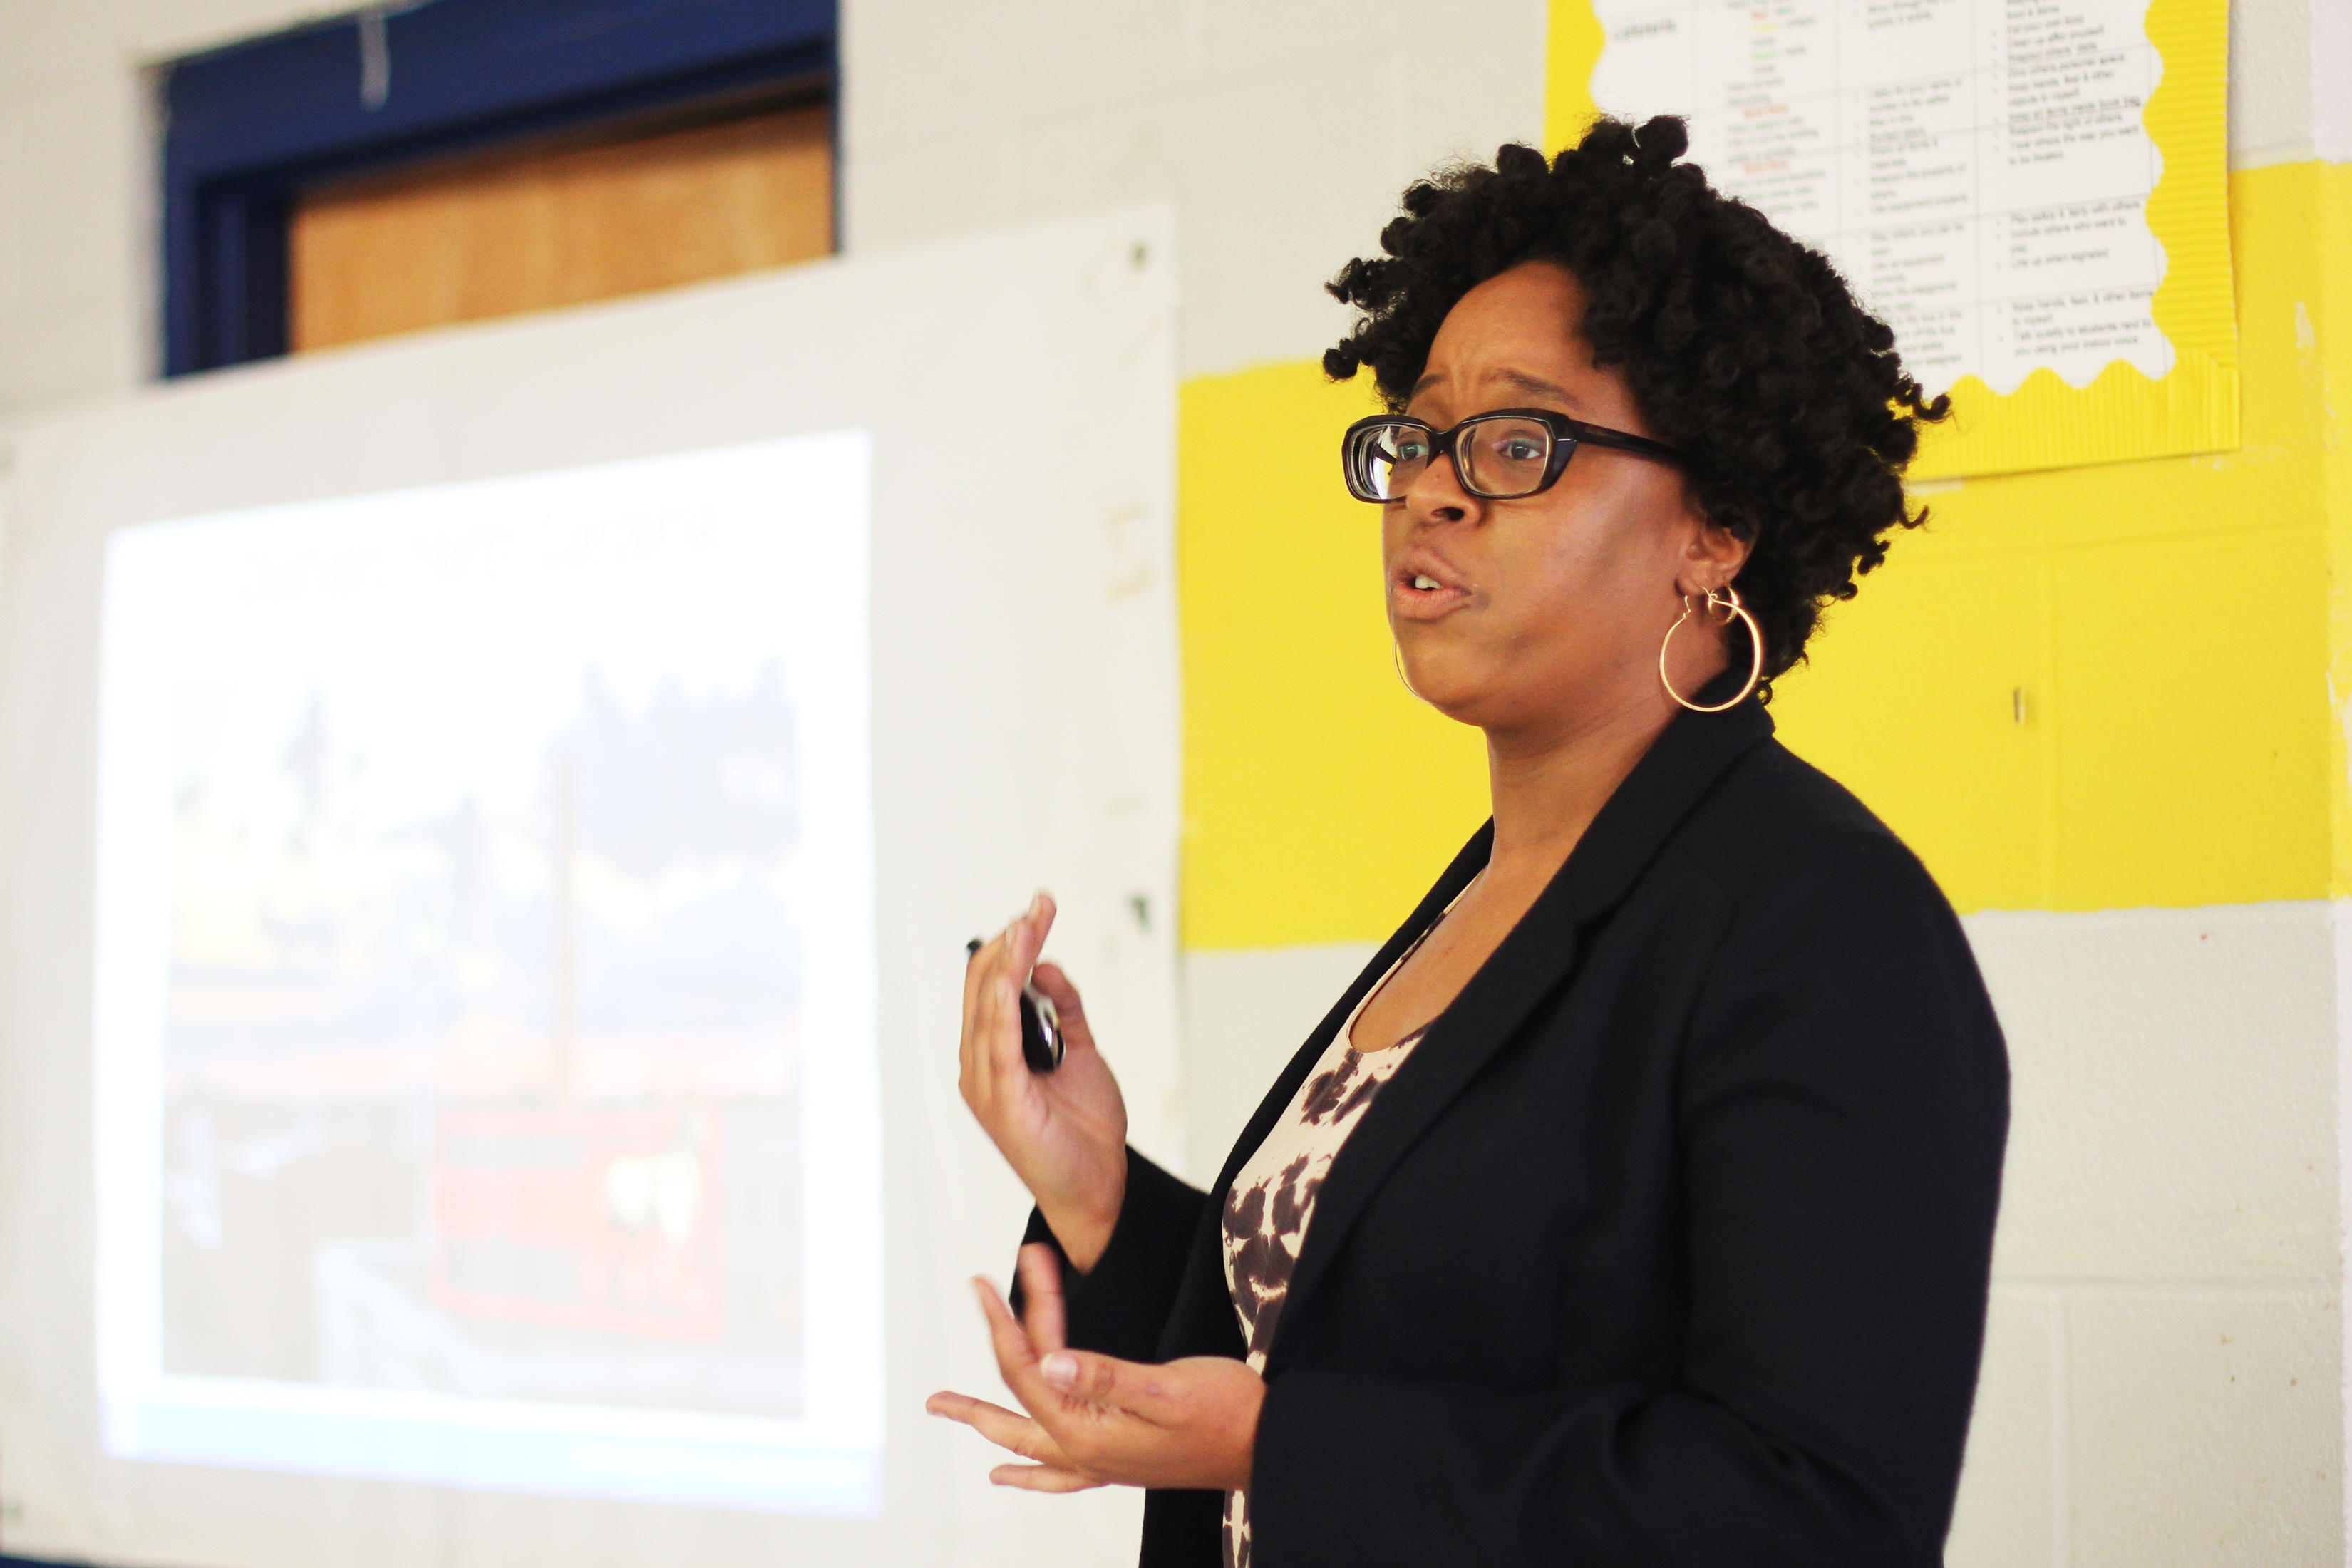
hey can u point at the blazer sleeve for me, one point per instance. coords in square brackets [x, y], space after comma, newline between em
[1843, 1108]
[1119, 1306]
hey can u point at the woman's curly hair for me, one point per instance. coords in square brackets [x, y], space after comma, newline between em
[1744, 348]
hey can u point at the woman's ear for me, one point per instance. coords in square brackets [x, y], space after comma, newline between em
[1712, 557]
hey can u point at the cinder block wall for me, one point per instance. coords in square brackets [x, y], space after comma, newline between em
[2163, 1381]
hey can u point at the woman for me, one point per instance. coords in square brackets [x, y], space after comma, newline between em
[1635, 1204]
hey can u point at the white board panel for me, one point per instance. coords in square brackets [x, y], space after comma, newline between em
[1006, 404]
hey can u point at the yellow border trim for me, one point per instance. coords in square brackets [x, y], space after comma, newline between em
[2122, 414]
[1571, 51]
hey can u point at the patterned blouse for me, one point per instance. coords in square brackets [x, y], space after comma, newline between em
[1272, 1195]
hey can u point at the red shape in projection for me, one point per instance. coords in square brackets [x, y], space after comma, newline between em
[604, 1220]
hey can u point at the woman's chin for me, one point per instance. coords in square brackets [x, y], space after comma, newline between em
[1450, 692]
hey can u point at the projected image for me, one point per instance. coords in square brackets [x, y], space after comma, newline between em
[490, 861]
[491, 1092]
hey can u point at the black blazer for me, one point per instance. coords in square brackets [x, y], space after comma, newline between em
[1669, 1243]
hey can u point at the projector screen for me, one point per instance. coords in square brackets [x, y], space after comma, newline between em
[489, 825]
[484, 985]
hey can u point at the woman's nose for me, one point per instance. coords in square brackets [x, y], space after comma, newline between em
[1437, 495]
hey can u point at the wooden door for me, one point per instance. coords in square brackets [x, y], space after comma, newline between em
[561, 223]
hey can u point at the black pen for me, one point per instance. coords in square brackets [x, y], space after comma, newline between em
[1041, 1023]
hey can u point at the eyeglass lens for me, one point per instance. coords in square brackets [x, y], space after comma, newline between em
[1499, 458]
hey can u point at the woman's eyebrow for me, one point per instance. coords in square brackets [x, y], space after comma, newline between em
[1518, 381]
[1536, 386]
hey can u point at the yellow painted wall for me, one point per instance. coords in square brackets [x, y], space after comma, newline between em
[2167, 623]
[2325, 365]
[2167, 629]
[1320, 798]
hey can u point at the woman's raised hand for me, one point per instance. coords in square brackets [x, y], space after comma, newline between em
[1092, 1420]
[1064, 1132]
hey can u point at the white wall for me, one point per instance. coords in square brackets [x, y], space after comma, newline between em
[1282, 131]
[2162, 1374]
[2290, 81]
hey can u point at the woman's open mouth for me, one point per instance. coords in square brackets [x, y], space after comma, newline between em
[1418, 593]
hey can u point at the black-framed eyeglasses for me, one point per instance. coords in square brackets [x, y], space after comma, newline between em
[1507, 455]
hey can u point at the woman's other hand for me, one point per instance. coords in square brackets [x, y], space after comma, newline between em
[1094, 1420]
[1064, 1132]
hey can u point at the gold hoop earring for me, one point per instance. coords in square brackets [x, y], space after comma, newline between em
[1396, 658]
[1721, 605]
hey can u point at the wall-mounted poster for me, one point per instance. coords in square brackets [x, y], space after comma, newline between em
[2030, 192]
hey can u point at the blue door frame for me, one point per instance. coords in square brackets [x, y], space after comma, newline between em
[249, 127]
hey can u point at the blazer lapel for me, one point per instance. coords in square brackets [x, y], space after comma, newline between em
[1537, 957]
[1201, 1310]
[1467, 863]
